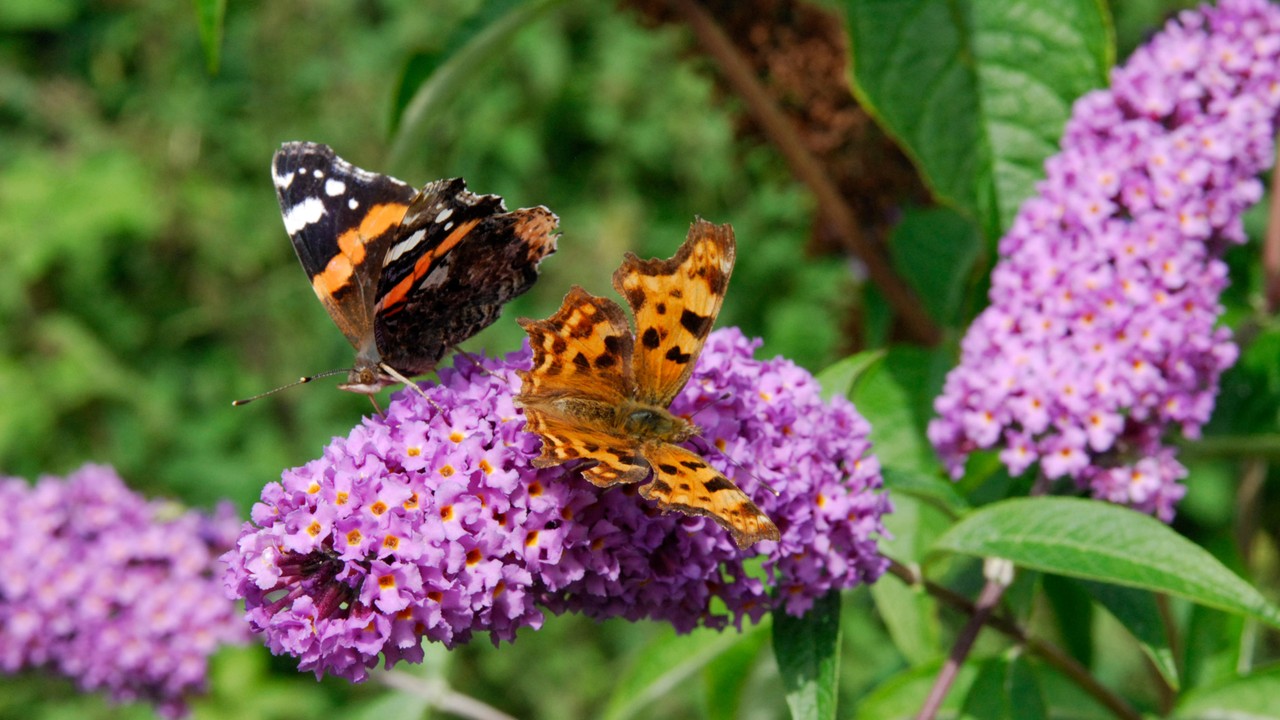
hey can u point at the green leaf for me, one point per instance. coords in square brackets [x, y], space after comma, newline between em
[1099, 541]
[1213, 647]
[840, 377]
[911, 615]
[1065, 698]
[1022, 688]
[210, 17]
[664, 663]
[1005, 689]
[930, 488]
[431, 80]
[913, 526]
[808, 653]
[416, 71]
[1137, 611]
[1074, 612]
[890, 395]
[1021, 597]
[935, 249]
[977, 91]
[901, 696]
[421, 65]
[1247, 698]
[725, 677]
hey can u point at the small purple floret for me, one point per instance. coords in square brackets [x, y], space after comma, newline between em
[1100, 341]
[422, 524]
[116, 592]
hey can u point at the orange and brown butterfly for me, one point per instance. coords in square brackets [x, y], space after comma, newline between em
[600, 393]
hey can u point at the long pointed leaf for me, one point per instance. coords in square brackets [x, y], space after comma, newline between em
[1005, 689]
[911, 616]
[210, 15]
[808, 652]
[455, 68]
[1137, 611]
[888, 394]
[840, 377]
[1250, 698]
[977, 91]
[930, 488]
[935, 249]
[1099, 541]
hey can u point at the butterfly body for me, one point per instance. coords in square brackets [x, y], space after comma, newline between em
[597, 391]
[650, 422]
[405, 274]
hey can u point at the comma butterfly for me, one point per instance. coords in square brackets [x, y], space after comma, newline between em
[595, 393]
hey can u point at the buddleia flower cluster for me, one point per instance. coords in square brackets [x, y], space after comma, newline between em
[114, 591]
[1099, 343]
[430, 521]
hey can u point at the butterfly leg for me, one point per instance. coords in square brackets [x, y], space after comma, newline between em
[473, 357]
[392, 372]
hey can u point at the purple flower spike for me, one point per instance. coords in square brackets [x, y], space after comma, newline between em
[1100, 341]
[116, 592]
[458, 533]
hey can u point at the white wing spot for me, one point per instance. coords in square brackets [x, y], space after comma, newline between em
[437, 276]
[318, 173]
[353, 203]
[444, 215]
[404, 246]
[448, 226]
[303, 214]
[334, 187]
[283, 181]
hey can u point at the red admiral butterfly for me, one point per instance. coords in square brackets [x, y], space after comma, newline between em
[405, 274]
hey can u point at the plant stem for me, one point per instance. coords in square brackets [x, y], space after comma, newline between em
[986, 604]
[440, 696]
[1047, 651]
[1264, 446]
[1167, 694]
[1249, 507]
[806, 167]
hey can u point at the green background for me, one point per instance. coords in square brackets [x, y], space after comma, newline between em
[146, 281]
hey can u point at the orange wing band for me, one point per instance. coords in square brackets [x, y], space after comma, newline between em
[337, 274]
[424, 263]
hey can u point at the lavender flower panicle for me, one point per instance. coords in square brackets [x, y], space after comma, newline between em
[1100, 339]
[436, 525]
[112, 590]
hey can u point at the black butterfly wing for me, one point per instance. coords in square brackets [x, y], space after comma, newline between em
[341, 219]
[458, 258]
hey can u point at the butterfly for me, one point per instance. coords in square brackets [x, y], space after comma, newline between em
[405, 274]
[598, 392]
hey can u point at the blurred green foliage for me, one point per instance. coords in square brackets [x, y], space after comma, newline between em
[146, 281]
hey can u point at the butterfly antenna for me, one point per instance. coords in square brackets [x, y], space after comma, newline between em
[475, 360]
[723, 397]
[299, 381]
[392, 372]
